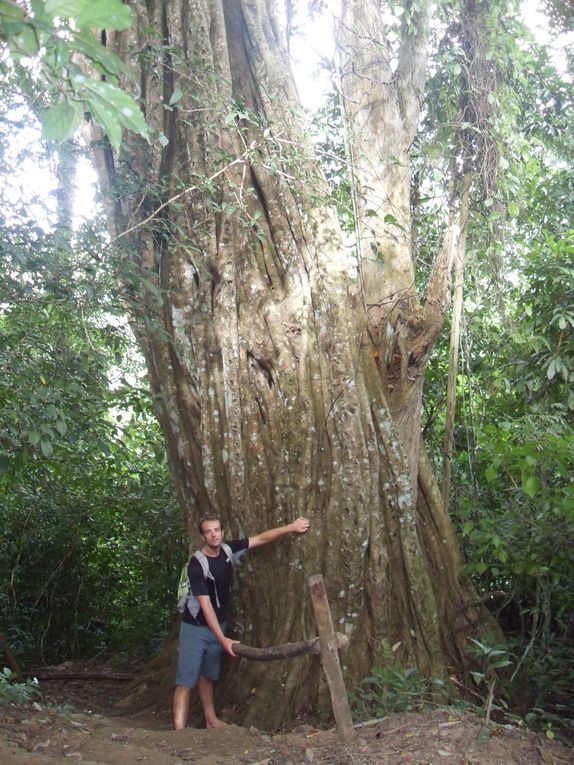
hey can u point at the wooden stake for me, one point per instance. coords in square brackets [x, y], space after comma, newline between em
[330, 659]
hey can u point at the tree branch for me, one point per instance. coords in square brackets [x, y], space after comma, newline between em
[285, 651]
[412, 66]
[437, 296]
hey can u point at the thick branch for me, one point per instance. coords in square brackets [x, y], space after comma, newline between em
[437, 295]
[362, 41]
[285, 651]
[413, 63]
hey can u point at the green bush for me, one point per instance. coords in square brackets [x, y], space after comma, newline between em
[13, 692]
[391, 688]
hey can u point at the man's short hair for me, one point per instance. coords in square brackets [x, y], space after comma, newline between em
[209, 517]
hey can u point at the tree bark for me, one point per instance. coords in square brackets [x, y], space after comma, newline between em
[285, 386]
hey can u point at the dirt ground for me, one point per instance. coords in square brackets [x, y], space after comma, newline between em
[74, 721]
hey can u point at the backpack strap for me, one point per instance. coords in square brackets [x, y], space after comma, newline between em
[185, 596]
[201, 558]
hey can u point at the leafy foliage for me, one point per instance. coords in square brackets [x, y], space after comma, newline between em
[44, 44]
[390, 689]
[91, 532]
[513, 501]
[14, 692]
[91, 536]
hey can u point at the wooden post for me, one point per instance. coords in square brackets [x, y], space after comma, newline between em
[330, 659]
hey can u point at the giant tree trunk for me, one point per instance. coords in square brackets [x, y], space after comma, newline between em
[285, 385]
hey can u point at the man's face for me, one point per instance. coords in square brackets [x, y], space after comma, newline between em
[212, 534]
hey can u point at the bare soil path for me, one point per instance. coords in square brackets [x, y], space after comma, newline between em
[74, 722]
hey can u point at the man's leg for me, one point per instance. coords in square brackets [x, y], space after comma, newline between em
[181, 698]
[205, 692]
[189, 658]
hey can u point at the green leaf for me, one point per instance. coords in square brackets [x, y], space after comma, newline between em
[61, 427]
[175, 96]
[46, 447]
[551, 371]
[39, 10]
[499, 663]
[66, 9]
[51, 411]
[106, 117]
[513, 209]
[105, 14]
[61, 121]
[490, 473]
[393, 221]
[113, 109]
[89, 14]
[101, 57]
[23, 42]
[34, 437]
[9, 10]
[531, 485]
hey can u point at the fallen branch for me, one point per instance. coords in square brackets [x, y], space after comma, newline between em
[285, 651]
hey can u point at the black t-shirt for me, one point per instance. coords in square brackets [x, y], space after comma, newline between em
[222, 571]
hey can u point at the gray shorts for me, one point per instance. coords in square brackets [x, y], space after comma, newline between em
[199, 653]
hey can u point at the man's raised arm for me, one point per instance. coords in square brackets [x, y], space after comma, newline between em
[300, 526]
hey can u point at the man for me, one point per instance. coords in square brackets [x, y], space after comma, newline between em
[202, 633]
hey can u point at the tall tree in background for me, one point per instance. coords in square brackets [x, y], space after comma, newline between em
[287, 374]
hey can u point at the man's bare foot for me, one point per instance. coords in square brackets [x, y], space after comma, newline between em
[215, 723]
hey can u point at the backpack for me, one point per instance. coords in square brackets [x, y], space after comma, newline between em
[184, 593]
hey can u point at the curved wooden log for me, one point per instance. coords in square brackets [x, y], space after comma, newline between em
[285, 651]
